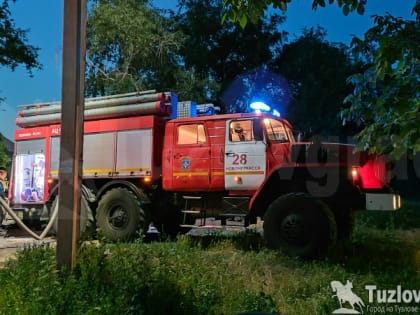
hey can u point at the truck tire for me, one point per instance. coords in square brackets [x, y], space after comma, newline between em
[119, 215]
[300, 226]
[86, 219]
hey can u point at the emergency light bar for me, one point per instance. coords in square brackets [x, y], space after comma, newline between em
[260, 106]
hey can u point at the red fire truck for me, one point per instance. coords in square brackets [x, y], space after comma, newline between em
[141, 164]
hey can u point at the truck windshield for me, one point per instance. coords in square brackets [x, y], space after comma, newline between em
[277, 131]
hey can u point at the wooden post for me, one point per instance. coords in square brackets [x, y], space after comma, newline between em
[71, 145]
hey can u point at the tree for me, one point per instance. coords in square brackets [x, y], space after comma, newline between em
[241, 11]
[257, 85]
[129, 48]
[4, 155]
[14, 49]
[316, 71]
[219, 53]
[385, 99]
[132, 46]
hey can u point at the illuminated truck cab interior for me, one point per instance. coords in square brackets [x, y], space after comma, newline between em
[29, 172]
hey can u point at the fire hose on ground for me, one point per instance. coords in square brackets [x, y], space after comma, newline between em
[24, 227]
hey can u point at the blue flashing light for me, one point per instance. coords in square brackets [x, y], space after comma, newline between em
[276, 113]
[260, 106]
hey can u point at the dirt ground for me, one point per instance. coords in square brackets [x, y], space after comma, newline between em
[17, 240]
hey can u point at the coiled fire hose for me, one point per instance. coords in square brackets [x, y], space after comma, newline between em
[23, 226]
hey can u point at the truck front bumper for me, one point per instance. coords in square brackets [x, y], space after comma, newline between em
[383, 201]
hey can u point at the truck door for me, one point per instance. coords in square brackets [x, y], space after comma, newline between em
[245, 154]
[280, 137]
[191, 157]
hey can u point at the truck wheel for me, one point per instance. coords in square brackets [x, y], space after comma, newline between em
[86, 220]
[300, 226]
[119, 215]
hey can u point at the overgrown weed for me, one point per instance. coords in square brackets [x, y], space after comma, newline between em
[215, 276]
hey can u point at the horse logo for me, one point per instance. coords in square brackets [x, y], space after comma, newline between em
[344, 294]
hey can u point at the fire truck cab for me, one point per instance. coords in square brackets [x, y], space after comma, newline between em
[223, 153]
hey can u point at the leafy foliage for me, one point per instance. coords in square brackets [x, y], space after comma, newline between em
[129, 48]
[241, 11]
[385, 100]
[184, 277]
[316, 71]
[219, 52]
[5, 157]
[14, 49]
[259, 84]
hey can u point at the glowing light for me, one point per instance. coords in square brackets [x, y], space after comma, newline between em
[238, 179]
[355, 176]
[276, 113]
[397, 201]
[260, 106]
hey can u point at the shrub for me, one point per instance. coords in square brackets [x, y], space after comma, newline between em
[217, 276]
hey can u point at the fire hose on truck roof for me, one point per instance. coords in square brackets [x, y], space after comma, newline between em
[147, 103]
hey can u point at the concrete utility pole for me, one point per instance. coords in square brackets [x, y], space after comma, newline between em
[71, 145]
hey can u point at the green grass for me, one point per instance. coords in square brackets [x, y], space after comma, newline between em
[408, 217]
[213, 277]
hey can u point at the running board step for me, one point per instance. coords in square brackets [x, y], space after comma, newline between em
[192, 197]
[194, 209]
[191, 211]
[188, 226]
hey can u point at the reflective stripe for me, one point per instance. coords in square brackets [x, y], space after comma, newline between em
[138, 169]
[217, 173]
[245, 173]
[190, 173]
[89, 171]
